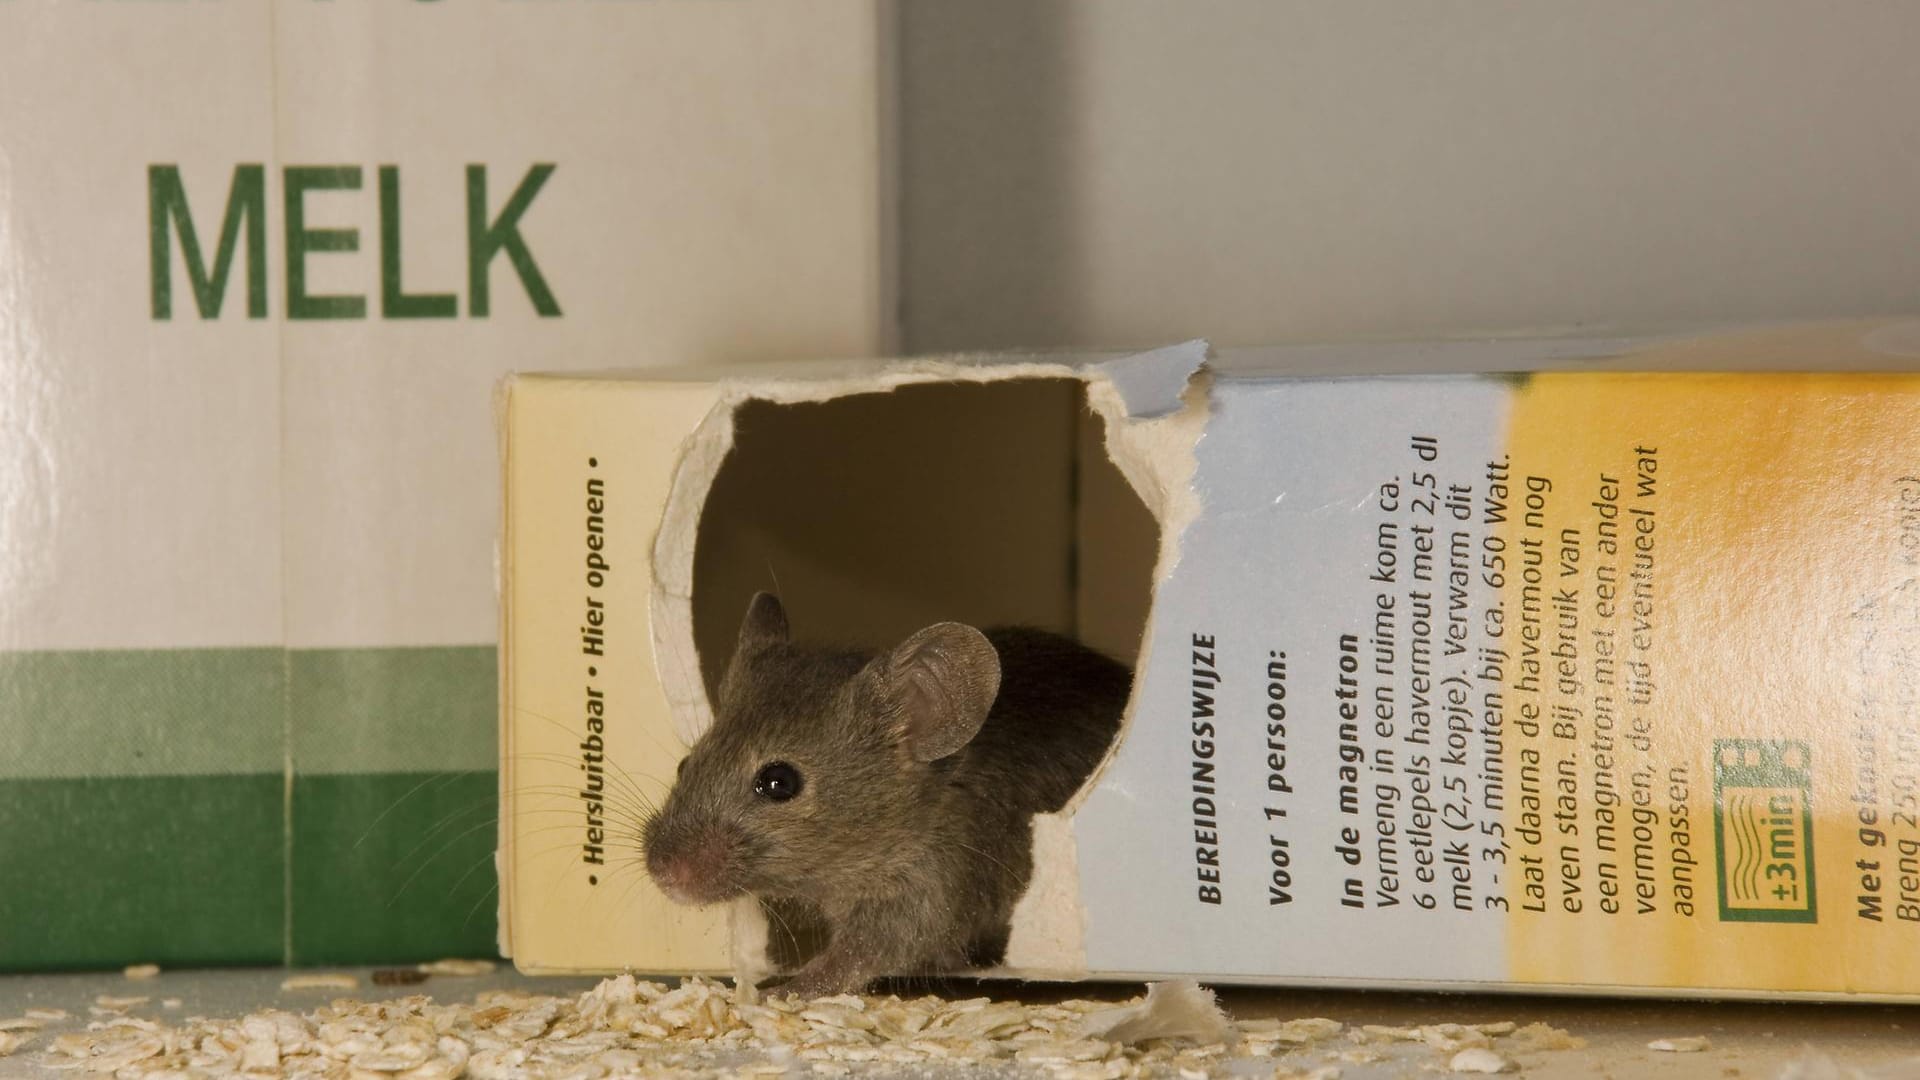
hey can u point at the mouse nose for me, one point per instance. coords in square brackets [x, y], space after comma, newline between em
[693, 871]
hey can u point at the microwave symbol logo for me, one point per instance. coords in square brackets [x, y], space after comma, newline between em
[1763, 830]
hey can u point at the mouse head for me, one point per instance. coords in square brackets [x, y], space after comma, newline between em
[819, 775]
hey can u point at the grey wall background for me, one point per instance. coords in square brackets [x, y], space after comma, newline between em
[1131, 172]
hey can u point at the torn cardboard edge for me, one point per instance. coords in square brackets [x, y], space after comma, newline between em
[1141, 397]
[1156, 406]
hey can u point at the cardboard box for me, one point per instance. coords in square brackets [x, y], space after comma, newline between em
[261, 264]
[1596, 671]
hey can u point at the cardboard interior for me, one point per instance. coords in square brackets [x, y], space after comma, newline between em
[875, 514]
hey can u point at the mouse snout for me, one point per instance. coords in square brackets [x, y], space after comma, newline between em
[694, 866]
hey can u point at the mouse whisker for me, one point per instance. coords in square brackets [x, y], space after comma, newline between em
[441, 779]
[671, 752]
[774, 912]
[625, 897]
[490, 808]
[483, 860]
[617, 773]
[615, 805]
[567, 801]
[1012, 874]
[491, 822]
[492, 892]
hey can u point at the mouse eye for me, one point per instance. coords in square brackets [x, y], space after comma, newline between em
[778, 781]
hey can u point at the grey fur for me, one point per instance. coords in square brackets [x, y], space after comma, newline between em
[914, 865]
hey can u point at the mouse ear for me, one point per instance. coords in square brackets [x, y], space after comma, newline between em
[941, 682]
[765, 624]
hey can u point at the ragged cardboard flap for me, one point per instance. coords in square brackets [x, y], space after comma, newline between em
[1591, 679]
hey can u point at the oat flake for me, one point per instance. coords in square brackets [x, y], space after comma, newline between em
[701, 1029]
[327, 980]
[1479, 1059]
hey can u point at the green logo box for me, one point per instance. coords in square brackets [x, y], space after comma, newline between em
[1763, 830]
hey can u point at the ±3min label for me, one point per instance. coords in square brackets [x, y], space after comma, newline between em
[1763, 830]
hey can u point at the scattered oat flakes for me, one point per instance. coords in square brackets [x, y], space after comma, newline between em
[259, 1055]
[458, 967]
[1318, 1072]
[399, 976]
[1295, 1032]
[132, 1023]
[1479, 1059]
[142, 971]
[1538, 1036]
[700, 1029]
[1452, 1038]
[1309, 1028]
[169, 1003]
[119, 1004]
[22, 1023]
[1500, 1027]
[1690, 1044]
[324, 980]
[11, 1041]
[46, 1014]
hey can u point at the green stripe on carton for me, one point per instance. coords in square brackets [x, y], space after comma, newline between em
[394, 867]
[174, 870]
[393, 710]
[197, 712]
[142, 712]
[144, 800]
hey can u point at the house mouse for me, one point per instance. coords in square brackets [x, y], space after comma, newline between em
[891, 793]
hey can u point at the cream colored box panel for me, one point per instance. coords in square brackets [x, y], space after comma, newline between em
[581, 691]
